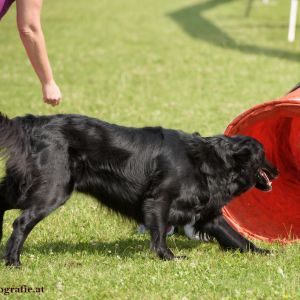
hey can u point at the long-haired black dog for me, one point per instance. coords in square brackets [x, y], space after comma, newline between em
[152, 175]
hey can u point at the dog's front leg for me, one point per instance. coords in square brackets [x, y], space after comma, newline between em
[156, 220]
[228, 238]
[158, 243]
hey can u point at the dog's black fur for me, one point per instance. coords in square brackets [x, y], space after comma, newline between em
[153, 175]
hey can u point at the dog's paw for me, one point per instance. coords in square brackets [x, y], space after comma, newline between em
[181, 257]
[165, 254]
[12, 262]
[263, 251]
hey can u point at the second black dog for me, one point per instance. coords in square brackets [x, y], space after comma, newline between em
[153, 175]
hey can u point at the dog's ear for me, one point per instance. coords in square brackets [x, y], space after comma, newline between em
[211, 164]
[203, 154]
[242, 154]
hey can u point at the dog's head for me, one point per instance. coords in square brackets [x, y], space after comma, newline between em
[239, 160]
[248, 155]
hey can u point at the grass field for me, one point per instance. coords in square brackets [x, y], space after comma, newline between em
[192, 65]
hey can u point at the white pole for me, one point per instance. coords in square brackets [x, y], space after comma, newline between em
[293, 19]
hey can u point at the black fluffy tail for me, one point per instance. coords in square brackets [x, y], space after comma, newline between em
[12, 142]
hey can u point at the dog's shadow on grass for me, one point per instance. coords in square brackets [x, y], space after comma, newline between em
[125, 248]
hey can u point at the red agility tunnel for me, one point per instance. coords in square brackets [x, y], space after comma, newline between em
[273, 216]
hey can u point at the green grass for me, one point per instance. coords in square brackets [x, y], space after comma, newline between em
[192, 65]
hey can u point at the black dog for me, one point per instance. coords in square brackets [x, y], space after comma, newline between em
[153, 175]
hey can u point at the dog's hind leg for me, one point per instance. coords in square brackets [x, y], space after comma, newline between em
[1, 222]
[23, 225]
[228, 238]
[3, 208]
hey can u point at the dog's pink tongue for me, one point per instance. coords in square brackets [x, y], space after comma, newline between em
[265, 176]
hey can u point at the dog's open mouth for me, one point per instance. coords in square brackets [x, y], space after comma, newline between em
[264, 180]
[264, 174]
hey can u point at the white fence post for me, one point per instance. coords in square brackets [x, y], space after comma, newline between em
[293, 19]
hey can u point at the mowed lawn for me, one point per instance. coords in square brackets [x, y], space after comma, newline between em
[192, 65]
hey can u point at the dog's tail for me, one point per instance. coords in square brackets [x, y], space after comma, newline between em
[12, 141]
